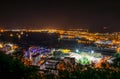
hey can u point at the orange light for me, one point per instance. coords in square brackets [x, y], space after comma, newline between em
[15, 46]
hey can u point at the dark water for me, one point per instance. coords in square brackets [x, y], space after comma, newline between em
[31, 38]
[43, 39]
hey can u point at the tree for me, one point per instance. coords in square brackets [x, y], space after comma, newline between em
[15, 69]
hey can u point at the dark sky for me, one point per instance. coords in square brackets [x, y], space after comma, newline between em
[97, 16]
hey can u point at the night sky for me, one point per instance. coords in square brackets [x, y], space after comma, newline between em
[61, 14]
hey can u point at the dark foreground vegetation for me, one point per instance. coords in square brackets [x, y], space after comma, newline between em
[11, 68]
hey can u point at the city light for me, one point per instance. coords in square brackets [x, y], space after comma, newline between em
[77, 50]
[92, 51]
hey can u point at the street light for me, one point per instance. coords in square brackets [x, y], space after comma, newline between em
[77, 50]
[92, 51]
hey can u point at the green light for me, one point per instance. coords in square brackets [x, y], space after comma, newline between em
[84, 61]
